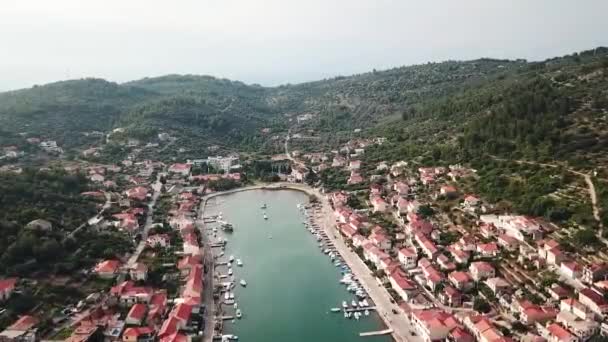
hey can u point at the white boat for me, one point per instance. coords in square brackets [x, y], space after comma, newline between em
[357, 315]
[239, 262]
[353, 303]
[345, 314]
[227, 295]
[238, 313]
[229, 302]
[230, 271]
[264, 206]
[366, 312]
[344, 304]
[231, 295]
[365, 303]
[236, 305]
[336, 309]
[229, 337]
[243, 283]
[231, 258]
[265, 216]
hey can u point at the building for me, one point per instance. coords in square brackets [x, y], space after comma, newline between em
[498, 285]
[379, 204]
[407, 257]
[138, 334]
[450, 296]
[557, 333]
[481, 270]
[137, 314]
[461, 280]
[180, 169]
[139, 271]
[222, 163]
[582, 329]
[402, 285]
[595, 272]
[519, 227]
[7, 287]
[107, 269]
[432, 324]
[594, 300]
[22, 330]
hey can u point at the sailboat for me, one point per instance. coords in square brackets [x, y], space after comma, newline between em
[263, 206]
[265, 216]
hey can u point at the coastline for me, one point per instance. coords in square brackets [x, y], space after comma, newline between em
[398, 323]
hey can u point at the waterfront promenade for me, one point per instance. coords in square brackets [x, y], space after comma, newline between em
[399, 324]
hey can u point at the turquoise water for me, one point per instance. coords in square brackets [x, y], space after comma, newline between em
[291, 284]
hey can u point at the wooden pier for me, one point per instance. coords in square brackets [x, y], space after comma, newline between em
[370, 308]
[376, 333]
[227, 318]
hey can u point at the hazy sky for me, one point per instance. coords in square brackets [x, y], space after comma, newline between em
[279, 41]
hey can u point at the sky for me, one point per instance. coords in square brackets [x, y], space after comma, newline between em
[272, 42]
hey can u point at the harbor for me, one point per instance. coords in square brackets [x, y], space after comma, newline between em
[280, 275]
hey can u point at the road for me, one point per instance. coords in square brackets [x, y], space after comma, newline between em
[148, 223]
[209, 258]
[590, 189]
[95, 218]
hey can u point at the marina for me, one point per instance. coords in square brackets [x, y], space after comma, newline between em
[298, 270]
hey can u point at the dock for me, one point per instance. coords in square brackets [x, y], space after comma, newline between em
[227, 318]
[376, 333]
[370, 308]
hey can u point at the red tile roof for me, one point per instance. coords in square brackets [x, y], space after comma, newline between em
[7, 284]
[137, 312]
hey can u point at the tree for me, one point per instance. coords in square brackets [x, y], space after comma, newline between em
[481, 305]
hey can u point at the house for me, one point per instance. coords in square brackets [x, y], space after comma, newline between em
[488, 249]
[471, 202]
[354, 165]
[405, 288]
[583, 329]
[481, 270]
[137, 314]
[359, 240]
[107, 269]
[460, 335]
[139, 271]
[461, 280]
[487, 230]
[347, 230]
[22, 330]
[571, 269]
[450, 296]
[380, 239]
[432, 324]
[558, 292]
[445, 263]
[7, 287]
[459, 256]
[97, 178]
[482, 329]
[407, 257]
[432, 276]
[498, 286]
[507, 242]
[376, 189]
[519, 227]
[575, 307]
[158, 240]
[85, 332]
[178, 319]
[138, 334]
[427, 246]
[128, 294]
[355, 178]
[557, 333]
[537, 314]
[448, 190]
[594, 300]
[379, 204]
[402, 205]
[339, 198]
[138, 193]
[595, 272]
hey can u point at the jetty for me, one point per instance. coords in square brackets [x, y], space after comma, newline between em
[376, 333]
[370, 308]
[227, 318]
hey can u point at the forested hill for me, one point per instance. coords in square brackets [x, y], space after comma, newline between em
[450, 109]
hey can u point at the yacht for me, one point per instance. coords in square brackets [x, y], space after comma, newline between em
[236, 305]
[353, 303]
[231, 295]
[238, 313]
[264, 206]
[243, 283]
[344, 304]
[239, 262]
[229, 337]
[231, 258]
[366, 312]
[335, 309]
[227, 227]
[346, 314]
[365, 303]
[265, 216]
[230, 271]
[357, 315]
[227, 295]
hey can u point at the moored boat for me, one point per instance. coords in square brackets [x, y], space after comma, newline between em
[243, 283]
[239, 314]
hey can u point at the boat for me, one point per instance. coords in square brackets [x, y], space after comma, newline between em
[336, 309]
[227, 295]
[231, 258]
[230, 271]
[229, 337]
[239, 262]
[264, 206]
[231, 295]
[357, 315]
[227, 227]
[236, 305]
[365, 303]
[243, 283]
[353, 303]
[366, 312]
[229, 302]
[265, 216]
[238, 313]
[345, 314]
[344, 304]
[270, 237]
